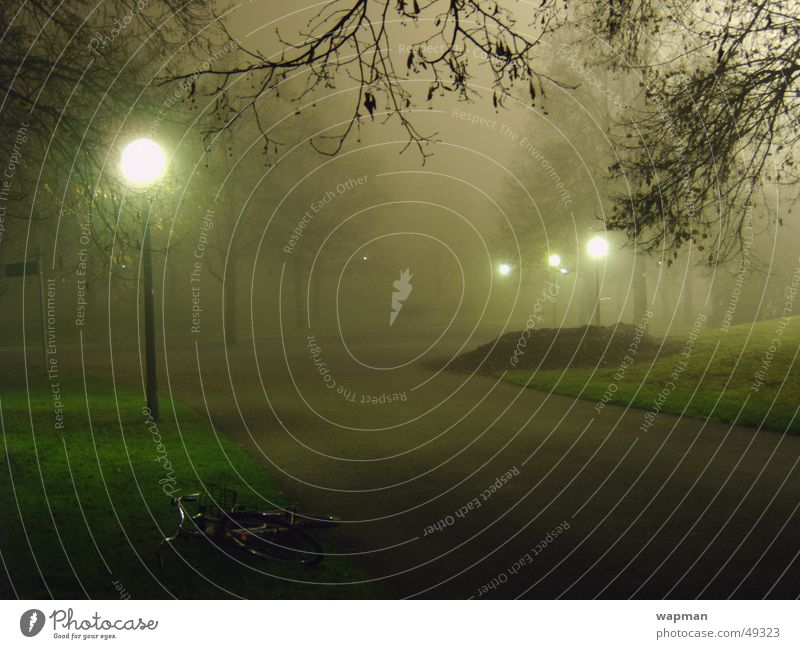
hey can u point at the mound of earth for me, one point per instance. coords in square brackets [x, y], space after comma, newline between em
[586, 346]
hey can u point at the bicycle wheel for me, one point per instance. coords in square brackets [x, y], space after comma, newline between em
[308, 522]
[267, 537]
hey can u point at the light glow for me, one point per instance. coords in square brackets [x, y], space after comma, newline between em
[597, 247]
[504, 269]
[143, 162]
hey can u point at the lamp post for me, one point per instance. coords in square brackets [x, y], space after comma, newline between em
[597, 249]
[142, 163]
[554, 261]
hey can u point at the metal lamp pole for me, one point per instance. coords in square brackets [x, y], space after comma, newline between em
[143, 163]
[597, 292]
[597, 249]
[554, 262]
[151, 385]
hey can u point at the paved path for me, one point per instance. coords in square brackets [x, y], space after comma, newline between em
[593, 507]
[471, 487]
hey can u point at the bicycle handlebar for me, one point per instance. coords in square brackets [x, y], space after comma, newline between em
[188, 498]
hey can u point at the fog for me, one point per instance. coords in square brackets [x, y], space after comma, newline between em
[474, 282]
[509, 185]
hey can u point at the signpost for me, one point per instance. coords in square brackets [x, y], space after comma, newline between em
[24, 269]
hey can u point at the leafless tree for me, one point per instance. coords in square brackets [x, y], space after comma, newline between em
[362, 42]
[718, 129]
[71, 74]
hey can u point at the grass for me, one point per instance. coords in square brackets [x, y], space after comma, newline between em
[84, 510]
[718, 383]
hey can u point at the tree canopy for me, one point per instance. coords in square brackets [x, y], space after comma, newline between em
[75, 81]
[716, 126]
[712, 135]
[717, 131]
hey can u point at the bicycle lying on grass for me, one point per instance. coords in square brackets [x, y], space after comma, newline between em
[274, 535]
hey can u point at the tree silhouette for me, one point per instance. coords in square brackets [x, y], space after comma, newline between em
[718, 131]
[363, 42]
[71, 76]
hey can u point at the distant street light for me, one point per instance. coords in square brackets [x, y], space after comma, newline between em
[554, 261]
[597, 249]
[143, 162]
[504, 269]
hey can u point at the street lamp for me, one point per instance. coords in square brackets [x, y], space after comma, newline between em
[143, 162]
[554, 261]
[597, 249]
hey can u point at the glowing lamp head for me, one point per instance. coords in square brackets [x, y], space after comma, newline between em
[597, 247]
[554, 260]
[504, 269]
[143, 162]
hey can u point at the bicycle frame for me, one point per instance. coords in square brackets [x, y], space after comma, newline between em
[183, 514]
[213, 526]
[202, 520]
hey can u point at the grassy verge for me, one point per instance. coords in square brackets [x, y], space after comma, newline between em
[720, 381]
[84, 505]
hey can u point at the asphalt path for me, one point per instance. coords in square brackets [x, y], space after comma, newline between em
[456, 486]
